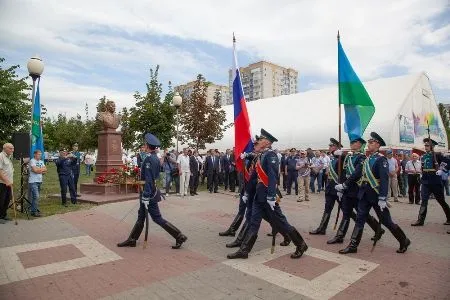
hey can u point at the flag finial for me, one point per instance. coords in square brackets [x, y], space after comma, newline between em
[234, 38]
[338, 36]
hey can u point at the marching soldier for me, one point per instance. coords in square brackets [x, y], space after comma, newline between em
[247, 197]
[432, 165]
[149, 198]
[372, 194]
[331, 195]
[264, 204]
[349, 189]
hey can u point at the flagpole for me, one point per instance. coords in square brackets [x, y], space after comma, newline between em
[339, 137]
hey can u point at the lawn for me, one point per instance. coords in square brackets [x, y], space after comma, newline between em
[50, 185]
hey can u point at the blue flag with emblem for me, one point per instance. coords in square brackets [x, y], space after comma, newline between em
[37, 139]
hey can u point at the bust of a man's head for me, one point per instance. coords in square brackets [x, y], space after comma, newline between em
[110, 106]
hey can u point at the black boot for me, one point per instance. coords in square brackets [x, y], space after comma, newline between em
[401, 238]
[421, 218]
[286, 241]
[134, 235]
[354, 241]
[246, 247]
[299, 242]
[176, 233]
[238, 241]
[231, 231]
[340, 234]
[373, 223]
[323, 225]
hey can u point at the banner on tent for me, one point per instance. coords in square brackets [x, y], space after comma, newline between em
[406, 130]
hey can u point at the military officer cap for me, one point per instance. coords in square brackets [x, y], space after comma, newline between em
[361, 140]
[76, 144]
[375, 136]
[293, 149]
[427, 140]
[152, 140]
[334, 142]
[268, 136]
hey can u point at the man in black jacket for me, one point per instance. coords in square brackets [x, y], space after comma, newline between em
[212, 171]
[193, 164]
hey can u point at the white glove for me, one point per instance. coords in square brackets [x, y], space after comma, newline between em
[145, 201]
[245, 198]
[339, 194]
[338, 152]
[382, 204]
[340, 187]
[439, 172]
[243, 155]
[271, 202]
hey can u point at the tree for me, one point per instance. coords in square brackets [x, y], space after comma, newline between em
[151, 114]
[15, 107]
[202, 122]
[128, 137]
[445, 119]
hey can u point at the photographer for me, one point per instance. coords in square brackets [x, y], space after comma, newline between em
[36, 169]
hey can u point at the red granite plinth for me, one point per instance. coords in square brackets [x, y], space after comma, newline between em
[109, 151]
[99, 188]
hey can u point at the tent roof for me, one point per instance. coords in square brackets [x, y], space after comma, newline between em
[310, 118]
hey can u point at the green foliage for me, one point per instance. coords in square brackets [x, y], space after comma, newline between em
[15, 106]
[152, 114]
[128, 137]
[201, 122]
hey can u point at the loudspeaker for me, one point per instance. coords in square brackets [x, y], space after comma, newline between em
[21, 142]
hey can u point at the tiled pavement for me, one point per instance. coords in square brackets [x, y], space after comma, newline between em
[73, 256]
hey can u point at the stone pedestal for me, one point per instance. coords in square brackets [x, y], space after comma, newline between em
[109, 151]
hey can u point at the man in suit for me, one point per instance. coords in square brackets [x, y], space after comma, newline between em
[233, 172]
[212, 168]
[194, 166]
[226, 164]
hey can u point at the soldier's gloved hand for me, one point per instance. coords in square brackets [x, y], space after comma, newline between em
[145, 201]
[338, 152]
[340, 187]
[439, 172]
[245, 198]
[339, 194]
[243, 155]
[271, 201]
[382, 204]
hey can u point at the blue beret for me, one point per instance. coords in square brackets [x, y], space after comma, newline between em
[152, 140]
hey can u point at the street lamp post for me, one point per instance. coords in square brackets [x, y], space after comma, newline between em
[35, 68]
[176, 102]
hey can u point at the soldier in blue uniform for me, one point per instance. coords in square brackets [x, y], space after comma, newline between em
[265, 205]
[64, 164]
[331, 195]
[150, 173]
[349, 191]
[291, 171]
[76, 166]
[372, 194]
[247, 197]
[433, 164]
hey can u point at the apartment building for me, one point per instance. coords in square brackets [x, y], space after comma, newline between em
[265, 80]
[185, 91]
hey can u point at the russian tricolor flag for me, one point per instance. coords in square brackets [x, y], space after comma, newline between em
[242, 136]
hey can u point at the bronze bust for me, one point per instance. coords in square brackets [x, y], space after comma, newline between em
[108, 119]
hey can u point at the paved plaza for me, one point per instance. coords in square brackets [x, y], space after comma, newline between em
[74, 256]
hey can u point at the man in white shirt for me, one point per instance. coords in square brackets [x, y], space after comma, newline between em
[326, 163]
[37, 168]
[393, 168]
[184, 171]
[413, 168]
[6, 180]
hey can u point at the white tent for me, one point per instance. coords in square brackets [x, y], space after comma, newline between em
[309, 119]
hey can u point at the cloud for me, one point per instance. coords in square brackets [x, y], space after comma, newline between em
[96, 45]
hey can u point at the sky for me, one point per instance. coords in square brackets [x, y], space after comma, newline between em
[96, 48]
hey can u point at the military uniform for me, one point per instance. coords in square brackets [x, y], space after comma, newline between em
[372, 193]
[149, 199]
[431, 182]
[331, 195]
[353, 163]
[64, 167]
[265, 206]
[292, 173]
[76, 168]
